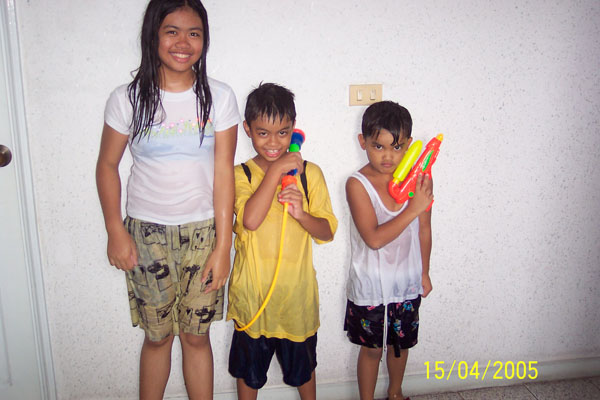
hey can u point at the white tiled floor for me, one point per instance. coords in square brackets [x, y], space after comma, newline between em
[572, 389]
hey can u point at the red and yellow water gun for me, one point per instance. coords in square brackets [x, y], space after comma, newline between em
[401, 187]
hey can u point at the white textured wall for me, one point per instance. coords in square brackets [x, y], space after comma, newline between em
[513, 85]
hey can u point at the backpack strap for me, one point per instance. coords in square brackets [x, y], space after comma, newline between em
[247, 172]
[305, 183]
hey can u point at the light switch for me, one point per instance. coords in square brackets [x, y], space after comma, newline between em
[363, 95]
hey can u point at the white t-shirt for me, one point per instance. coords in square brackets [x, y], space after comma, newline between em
[391, 274]
[171, 180]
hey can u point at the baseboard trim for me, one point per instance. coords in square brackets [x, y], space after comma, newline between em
[419, 384]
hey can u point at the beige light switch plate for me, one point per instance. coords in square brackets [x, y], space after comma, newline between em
[363, 95]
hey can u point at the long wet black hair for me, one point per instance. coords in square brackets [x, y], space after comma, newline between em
[144, 90]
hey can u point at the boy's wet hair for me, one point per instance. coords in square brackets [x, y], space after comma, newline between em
[387, 115]
[272, 101]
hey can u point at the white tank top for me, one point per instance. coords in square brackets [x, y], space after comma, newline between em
[391, 274]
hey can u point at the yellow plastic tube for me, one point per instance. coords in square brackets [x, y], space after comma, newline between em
[275, 275]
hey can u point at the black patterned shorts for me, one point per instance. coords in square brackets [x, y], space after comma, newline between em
[364, 324]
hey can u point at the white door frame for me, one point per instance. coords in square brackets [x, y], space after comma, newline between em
[8, 22]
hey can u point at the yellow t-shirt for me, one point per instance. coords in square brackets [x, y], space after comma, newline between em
[293, 311]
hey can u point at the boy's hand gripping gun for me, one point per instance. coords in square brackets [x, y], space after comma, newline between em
[295, 145]
[402, 188]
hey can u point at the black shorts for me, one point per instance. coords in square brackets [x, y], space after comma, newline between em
[364, 324]
[249, 359]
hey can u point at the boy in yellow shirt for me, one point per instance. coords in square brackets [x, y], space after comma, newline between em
[288, 325]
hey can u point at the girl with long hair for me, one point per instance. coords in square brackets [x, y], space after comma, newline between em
[174, 244]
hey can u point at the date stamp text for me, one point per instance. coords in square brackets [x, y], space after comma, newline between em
[496, 370]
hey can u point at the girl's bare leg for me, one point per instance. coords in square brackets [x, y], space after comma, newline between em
[155, 367]
[197, 365]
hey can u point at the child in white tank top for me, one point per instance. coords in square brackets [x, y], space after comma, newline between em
[391, 247]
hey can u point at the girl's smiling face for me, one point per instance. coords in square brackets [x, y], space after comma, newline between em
[180, 42]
